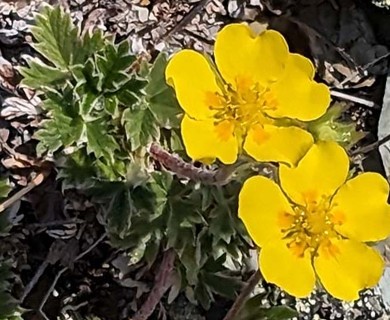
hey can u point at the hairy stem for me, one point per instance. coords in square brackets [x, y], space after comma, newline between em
[237, 305]
[163, 281]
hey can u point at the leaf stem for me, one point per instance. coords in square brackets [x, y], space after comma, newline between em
[163, 281]
[237, 305]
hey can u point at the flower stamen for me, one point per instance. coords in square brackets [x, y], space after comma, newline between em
[244, 106]
[311, 225]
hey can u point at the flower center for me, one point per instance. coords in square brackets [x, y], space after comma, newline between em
[310, 226]
[241, 107]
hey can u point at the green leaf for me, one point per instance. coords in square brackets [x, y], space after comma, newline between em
[39, 75]
[130, 92]
[8, 304]
[222, 285]
[57, 38]
[78, 171]
[203, 295]
[4, 188]
[111, 105]
[61, 131]
[92, 43]
[221, 224]
[141, 128]
[113, 64]
[254, 310]
[151, 251]
[87, 76]
[280, 313]
[120, 208]
[88, 102]
[100, 141]
[161, 97]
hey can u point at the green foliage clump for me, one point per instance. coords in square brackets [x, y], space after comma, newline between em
[104, 107]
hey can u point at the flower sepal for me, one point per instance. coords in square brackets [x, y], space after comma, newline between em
[331, 127]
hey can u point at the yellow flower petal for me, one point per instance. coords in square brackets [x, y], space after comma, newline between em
[351, 267]
[298, 96]
[239, 53]
[194, 81]
[204, 140]
[279, 265]
[362, 205]
[279, 144]
[262, 206]
[320, 172]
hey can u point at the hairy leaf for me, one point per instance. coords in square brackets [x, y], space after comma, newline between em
[39, 75]
[161, 97]
[100, 141]
[79, 171]
[120, 211]
[56, 37]
[113, 64]
[141, 127]
[60, 131]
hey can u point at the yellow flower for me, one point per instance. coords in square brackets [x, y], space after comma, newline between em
[238, 102]
[317, 223]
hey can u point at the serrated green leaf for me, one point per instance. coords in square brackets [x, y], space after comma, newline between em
[120, 211]
[215, 265]
[221, 224]
[160, 184]
[100, 141]
[161, 97]
[39, 75]
[203, 295]
[141, 128]
[106, 171]
[88, 102]
[130, 92]
[221, 284]
[113, 64]
[86, 75]
[92, 43]
[78, 171]
[57, 38]
[60, 131]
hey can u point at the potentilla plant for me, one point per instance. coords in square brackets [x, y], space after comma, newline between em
[112, 123]
[259, 99]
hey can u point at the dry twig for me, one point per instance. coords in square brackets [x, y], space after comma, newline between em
[21, 193]
[186, 20]
[354, 99]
